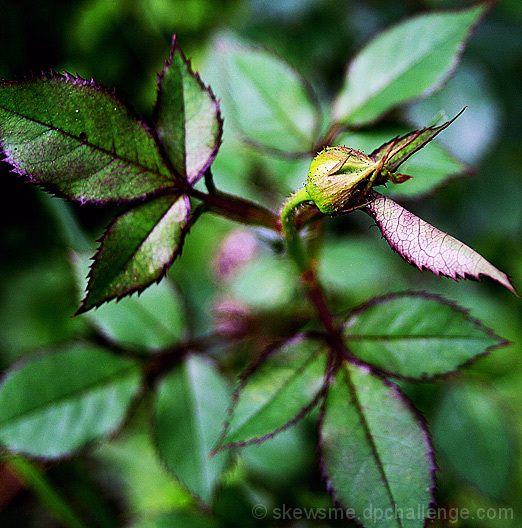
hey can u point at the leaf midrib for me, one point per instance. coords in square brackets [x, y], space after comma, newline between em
[369, 437]
[274, 396]
[140, 244]
[170, 177]
[426, 337]
[71, 395]
[274, 105]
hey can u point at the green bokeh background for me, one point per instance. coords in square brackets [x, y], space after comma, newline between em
[475, 417]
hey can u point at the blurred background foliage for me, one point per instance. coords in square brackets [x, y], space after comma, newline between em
[475, 418]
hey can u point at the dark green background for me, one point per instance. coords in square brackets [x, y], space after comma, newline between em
[123, 44]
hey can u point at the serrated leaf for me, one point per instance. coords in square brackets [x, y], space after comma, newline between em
[416, 335]
[190, 408]
[376, 453]
[263, 97]
[280, 387]
[58, 402]
[472, 433]
[137, 249]
[432, 166]
[155, 319]
[75, 138]
[427, 247]
[399, 149]
[403, 63]
[188, 121]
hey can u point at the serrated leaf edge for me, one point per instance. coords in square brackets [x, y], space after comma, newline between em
[51, 188]
[243, 379]
[176, 48]
[416, 415]
[85, 306]
[465, 312]
[488, 4]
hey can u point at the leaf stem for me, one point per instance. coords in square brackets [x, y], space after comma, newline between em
[238, 209]
[35, 478]
[294, 243]
[305, 264]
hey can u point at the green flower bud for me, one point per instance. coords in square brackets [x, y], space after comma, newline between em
[339, 177]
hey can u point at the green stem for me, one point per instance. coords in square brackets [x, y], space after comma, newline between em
[294, 244]
[35, 479]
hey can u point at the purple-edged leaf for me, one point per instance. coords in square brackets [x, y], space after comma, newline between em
[427, 247]
[188, 121]
[403, 63]
[376, 454]
[275, 391]
[190, 408]
[398, 150]
[75, 138]
[137, 249]
[416, 335]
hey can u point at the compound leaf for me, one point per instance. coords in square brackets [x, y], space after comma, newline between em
[188, 121]
[416, 335]
[60, 401]
[375, 451]
[275, 391]
[77, 139]
[190, 408]
[427, 247]
[137, 249]
[403, 63]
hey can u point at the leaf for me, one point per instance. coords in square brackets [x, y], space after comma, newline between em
[420, 243]
[477, 131]
[416, 335]
[398, 150]
[471, 432]
[188, 121]
[277, 390]
[137, 249]
[376, 453]
[154, 320]
[62, 400]
[431, 166]
[263, 97]
[145, 485]
[75, 138]
[402, 63]
[190, 408]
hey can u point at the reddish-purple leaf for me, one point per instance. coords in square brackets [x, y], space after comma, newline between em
[398, 150]
[427, 247]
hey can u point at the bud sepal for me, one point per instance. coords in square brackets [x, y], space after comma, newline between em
[339, 178]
